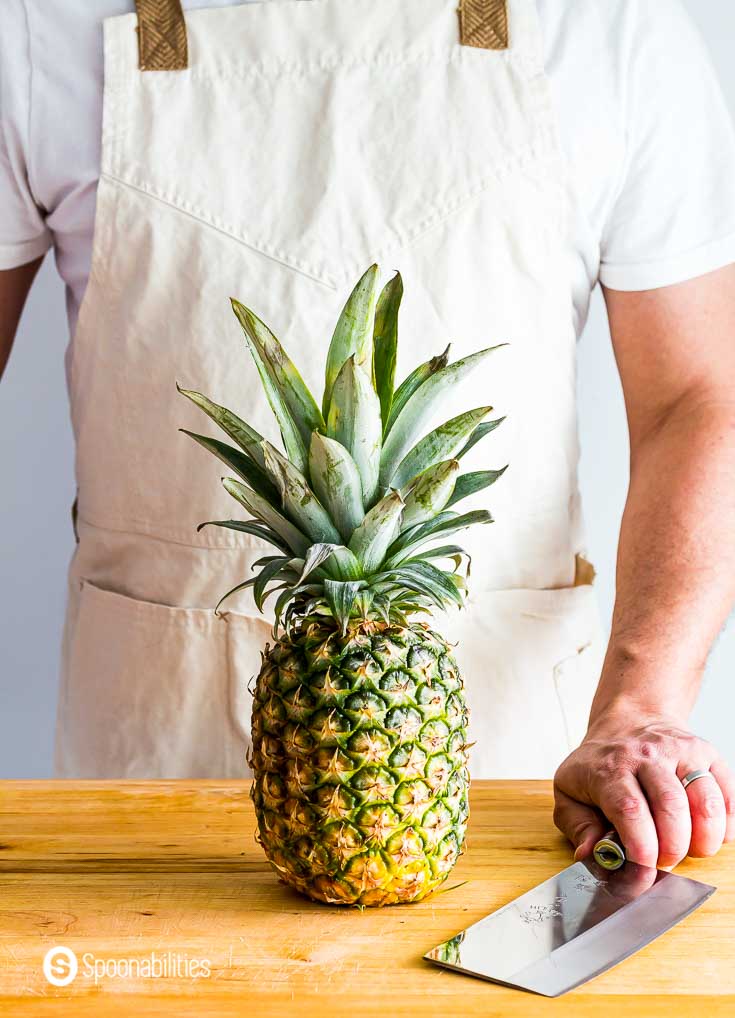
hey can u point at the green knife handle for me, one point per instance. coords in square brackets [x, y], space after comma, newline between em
[608, 852]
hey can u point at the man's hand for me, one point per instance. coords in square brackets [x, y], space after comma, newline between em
[627, 774]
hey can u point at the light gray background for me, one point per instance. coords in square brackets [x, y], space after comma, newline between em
[36, 459]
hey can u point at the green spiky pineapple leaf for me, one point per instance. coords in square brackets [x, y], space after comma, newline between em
[354, 421]
[277, 386]
[281, 370]
[429, 580]
[315, 556]
[246, 437]
[341, 598]
[269, 572]
[244, 465]
[442, 443]
[297, 541]
[253, 527]
[411, 383]
[385, 343]
[443, 525]
[479, 433]
[420, 407]
[375, 534]
[431, 492]
[343, 564]
[470, 483]
[353, 333]
[235, 590]
[298, 500]
[336, 480]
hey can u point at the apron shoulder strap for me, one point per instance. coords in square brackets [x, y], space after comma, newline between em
[483, 23]
[162, 30]
[161, 35]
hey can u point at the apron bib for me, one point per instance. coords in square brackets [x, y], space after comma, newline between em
[301, 141]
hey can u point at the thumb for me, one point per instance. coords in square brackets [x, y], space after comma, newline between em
[579, 822]
[592, 833]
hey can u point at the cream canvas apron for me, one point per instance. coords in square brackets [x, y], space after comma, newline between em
[302, 141]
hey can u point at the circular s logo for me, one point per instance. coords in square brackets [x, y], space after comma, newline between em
[60, 966]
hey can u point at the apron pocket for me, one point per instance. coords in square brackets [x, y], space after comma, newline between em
[531, 660]
[154, 691]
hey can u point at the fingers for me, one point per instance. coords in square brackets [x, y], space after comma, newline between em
[581, 824]
[707, 807]
[726, 781]
[624, 804]
[669, 805]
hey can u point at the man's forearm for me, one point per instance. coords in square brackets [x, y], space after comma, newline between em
[675, 583]
[676, 562]
[14, 286]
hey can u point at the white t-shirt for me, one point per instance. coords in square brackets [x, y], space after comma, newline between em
[649, 142]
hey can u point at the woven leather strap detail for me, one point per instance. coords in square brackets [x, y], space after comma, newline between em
[161, 35]
[483, 23]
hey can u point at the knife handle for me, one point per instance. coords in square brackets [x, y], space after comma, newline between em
[608, 852]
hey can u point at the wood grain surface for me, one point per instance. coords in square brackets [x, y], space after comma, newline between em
[119, 870]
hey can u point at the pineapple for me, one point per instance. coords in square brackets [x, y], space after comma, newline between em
[359, 723]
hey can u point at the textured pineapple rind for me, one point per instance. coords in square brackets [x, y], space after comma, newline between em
[360, 761]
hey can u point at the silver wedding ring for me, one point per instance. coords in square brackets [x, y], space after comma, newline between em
[693, 775]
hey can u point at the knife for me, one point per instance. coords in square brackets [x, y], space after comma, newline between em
[574, 926]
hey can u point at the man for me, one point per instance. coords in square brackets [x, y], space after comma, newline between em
[268, 150]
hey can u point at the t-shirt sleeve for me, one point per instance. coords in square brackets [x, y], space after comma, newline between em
[24, 234]
[674, 214]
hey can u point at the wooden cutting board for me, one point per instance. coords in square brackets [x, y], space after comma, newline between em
[171, 870]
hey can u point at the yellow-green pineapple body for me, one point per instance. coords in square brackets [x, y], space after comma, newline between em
[360, 761]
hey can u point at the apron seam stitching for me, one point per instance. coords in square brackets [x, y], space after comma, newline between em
[555, 675]
[532, 153]
[302, 69]
[200, 218]
[139, 611]
[169, 540]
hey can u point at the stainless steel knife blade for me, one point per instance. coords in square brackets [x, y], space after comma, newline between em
[572, 927]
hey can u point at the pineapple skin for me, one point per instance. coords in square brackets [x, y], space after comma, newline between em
[360, 761]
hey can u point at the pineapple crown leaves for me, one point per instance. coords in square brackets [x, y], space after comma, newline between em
[357, 509]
